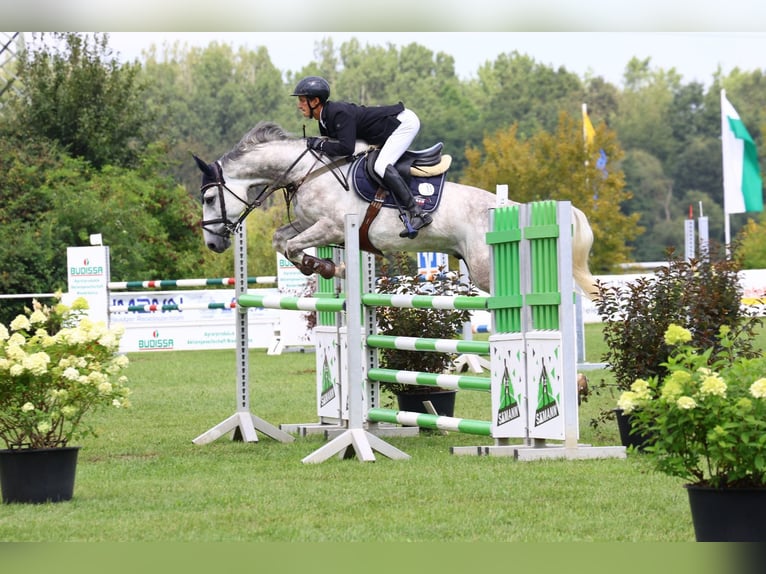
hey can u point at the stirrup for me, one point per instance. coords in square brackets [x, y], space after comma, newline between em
[411, 230]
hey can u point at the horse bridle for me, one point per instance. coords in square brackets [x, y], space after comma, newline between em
[289, 189]
[220, 184]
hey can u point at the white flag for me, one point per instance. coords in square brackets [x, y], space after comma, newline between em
[742, 184]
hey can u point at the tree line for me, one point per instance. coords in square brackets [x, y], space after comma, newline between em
[89, 144]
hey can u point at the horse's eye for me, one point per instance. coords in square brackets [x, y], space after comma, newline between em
[208, 199]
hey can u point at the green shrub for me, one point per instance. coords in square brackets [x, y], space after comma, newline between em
[700, 294]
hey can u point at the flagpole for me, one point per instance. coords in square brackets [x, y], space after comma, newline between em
[726, 214]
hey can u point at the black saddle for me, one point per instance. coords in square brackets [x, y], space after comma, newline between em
[425, 188]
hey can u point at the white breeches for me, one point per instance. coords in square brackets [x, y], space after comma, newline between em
[398, 142]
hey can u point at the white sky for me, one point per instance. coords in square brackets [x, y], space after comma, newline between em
[695, 55]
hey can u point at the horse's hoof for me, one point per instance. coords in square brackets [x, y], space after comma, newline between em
[310, 264]
[326, 269]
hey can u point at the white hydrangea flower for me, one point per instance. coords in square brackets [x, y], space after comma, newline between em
[758, 389]
[20, 323]
[686, 403]
[37, 316]
[627, 401]
[71, 374]
[713, 385]
[17, 339]
[37, 363]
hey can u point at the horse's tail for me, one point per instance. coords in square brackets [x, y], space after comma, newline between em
[582, 241]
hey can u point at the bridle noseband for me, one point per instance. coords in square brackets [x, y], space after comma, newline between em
[220, 183]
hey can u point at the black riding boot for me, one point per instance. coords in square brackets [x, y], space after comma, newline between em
[417, 217]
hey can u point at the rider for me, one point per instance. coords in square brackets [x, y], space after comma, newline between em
[392, 127]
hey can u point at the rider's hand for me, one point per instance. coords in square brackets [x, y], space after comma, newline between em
[315, 143]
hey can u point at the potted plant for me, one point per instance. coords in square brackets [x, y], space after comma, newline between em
[701, 295]
[428, 323]
[707, 419]
[56, 366]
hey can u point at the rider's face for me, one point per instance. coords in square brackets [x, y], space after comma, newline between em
[303, 106]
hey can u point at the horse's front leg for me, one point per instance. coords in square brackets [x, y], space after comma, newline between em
[291, 240]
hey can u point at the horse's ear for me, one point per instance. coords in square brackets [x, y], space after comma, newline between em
[206, 168]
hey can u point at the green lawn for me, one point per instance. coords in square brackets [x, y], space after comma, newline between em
[142, 478]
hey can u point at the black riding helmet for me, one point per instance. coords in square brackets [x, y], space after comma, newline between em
[313, 87]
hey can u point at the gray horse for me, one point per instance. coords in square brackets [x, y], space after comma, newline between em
[317, 191]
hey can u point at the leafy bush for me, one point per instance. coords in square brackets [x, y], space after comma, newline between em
[707, 417]
[430, 323]
[701, 295]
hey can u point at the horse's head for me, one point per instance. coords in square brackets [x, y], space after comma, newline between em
[226, 205]
[217, 227]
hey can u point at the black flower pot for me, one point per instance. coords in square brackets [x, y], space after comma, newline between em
[627, 435]
[443, 402]
[728, 514]
[38, 475]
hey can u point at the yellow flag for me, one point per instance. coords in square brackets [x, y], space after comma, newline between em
[588, 132]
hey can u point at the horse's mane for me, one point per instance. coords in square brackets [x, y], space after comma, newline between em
[263, 132]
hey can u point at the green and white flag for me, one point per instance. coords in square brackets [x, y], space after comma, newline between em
[742, 184]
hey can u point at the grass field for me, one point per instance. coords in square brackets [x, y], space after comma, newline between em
[142, 478]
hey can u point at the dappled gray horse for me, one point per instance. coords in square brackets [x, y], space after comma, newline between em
[320, 191]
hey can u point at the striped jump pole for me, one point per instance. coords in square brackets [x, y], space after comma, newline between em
[202, 282]
[153, 308]
[424, 301]
[428, 421]
[452, 382]
[427, 344]
[291, 303]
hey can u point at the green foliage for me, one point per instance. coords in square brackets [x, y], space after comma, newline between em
[558, 166]
[56, 201]
[76, 162]
[76, 93]
[27, 249]
[515, 84]
[137, 481]
[148, 221]
[751, 244]
[707, 415]
[401, 278]
[701, 295]
[207, 98]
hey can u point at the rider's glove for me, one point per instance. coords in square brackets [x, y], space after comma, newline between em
[315, 143]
